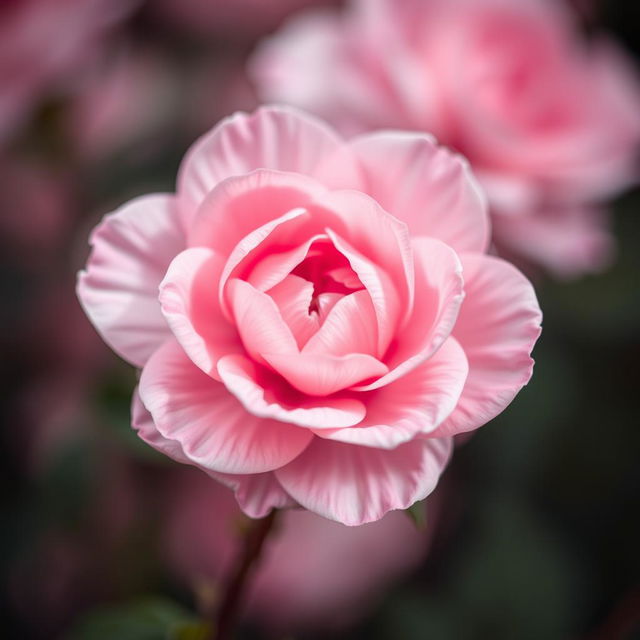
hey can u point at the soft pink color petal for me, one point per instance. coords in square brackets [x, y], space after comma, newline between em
[416, 403]
[273, 267]
[190, 305]
[259, 321]
[323, 374]
[426, 186]
[132, 249]
[293, 297]
[350, 327]
[383, 291]
[142, 422]
[439, 294]
[355, 485]
[381, 237]
[258, 493]
[267, 397]
[213, 429]
[498, 324]
[277, 138]
[249, 207]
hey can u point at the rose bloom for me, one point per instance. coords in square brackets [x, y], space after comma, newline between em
[295, 585]
[550, 123]
[326, 318]
[43, 44]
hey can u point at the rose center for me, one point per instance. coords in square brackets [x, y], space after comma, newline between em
[329, 272]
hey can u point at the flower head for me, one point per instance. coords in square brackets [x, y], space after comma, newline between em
[314, 318]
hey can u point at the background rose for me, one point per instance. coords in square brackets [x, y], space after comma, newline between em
[307, 346]
[549, 123]
[295, 585]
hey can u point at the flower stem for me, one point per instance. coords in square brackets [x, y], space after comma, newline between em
[248, 557]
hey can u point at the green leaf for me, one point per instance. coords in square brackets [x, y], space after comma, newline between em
[153, 618]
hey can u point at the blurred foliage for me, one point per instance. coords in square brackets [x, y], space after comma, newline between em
[151, 619]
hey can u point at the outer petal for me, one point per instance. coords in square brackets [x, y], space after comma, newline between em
[497, 327]
[142, 422]
[267, 396]
[189, 303]
[417, 403]
[277, 138]
[213, 429]
[132, 249]
[426, 186]
[258, 493]
[354, 485]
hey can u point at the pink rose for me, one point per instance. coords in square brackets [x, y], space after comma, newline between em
[295, 585]
[309, 343]
[550, 125]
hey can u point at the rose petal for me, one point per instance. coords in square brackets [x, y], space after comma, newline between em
[322, 374]
[278, 138]
[257, 493]
[417, 403]
[267, 396]
[381, 289]
[190, 305]
[439, 294]
[498, 325]
[293, 297]
[132, 249]
[211, 426]
[253, 203]
[142, 422]
[350, 327]
[354, 485]
[259, 321]
[426, 186]
[379, 236]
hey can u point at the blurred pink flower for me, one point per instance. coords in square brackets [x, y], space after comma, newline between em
[231, 18]
[313, 574]
[125, 102]
[550, 123]
[306, 346]
[43, 43]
